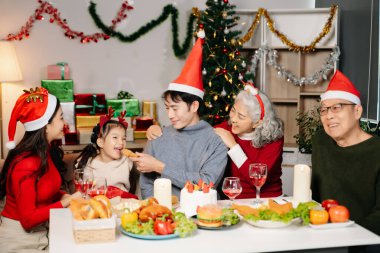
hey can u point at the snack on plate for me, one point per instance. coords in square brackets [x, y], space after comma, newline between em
[97, 207]
[279, 208]
[245, 210]
[210, 216]
[194, 195]
[129, 153]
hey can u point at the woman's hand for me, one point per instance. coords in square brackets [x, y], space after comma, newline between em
[66, 198]
[226, 136]
[146, 163]
[153, 132]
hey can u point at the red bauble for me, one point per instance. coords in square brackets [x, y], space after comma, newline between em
[201, 26]
[225, 50]
[237, 52]
[225, 1]
[224, 71]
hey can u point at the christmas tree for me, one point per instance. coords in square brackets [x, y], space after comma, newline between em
[224, 68]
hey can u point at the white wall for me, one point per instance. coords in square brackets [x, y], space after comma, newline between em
[143, 67]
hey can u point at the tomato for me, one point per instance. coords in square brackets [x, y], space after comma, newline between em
[328, 203]
[162, 227]
[319, 216]
[339, 214]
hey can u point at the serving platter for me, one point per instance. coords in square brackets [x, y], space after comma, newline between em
[332, 225]
[148, 237]
[272, 224]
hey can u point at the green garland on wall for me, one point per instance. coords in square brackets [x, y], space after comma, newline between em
[167, 10]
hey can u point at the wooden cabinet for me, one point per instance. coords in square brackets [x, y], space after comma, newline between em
[301, 27]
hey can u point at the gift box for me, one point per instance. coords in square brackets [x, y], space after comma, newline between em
[130, 134]
[62, 89]
[126, 119]
[87, 120]
[139, 134]
[84, 134]
[68, 109]
[131, 106]
[143, 123]
[90, 103]
[59, 71]
[149, 109]
[70, 138]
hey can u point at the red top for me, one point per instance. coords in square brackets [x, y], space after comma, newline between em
[270, 154]
[29, 201]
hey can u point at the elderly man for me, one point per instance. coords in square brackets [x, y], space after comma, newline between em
[345, 159]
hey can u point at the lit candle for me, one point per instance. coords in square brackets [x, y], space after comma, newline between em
[301, 184]
[163, 192]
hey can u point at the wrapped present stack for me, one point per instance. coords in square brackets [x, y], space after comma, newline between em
[58, 83]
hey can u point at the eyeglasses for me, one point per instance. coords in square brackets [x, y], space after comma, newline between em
[334, 108]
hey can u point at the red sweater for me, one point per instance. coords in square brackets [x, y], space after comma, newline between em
[30, 202]
[270, 154]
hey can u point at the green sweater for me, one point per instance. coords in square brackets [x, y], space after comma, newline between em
[350, 175]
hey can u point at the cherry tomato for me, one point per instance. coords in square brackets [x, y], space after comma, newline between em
[328, 203]
[162, 227]
[339, 214]
[319, 216]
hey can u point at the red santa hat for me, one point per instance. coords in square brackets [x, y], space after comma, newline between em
[190, 79]
[341, 87]
[34, 109]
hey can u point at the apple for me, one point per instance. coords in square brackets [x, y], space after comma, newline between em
[328, 203]
[339, 214]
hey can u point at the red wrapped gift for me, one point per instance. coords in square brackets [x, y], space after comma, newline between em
[69, 138]
[60, 71]
[113, 191]
[91, 104]
[143, 124]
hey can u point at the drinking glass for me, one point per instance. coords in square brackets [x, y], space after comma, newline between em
[98, 187]
[83, 181]
[231, 187]
[258, 175]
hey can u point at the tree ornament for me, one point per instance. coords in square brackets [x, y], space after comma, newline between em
[224, 14]
[227, 108]
[240, 77]
[201, 26]
[225, 50]
[243, 64]
[204, 71]
[215, 97]
[223, 93]
[225, 1]
[217, 70]
[233, 42]
[210, 84]
[237, 52]
[226, 31]
[224, 71]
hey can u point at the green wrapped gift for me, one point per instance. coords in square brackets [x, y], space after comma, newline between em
[62, 89]
[131, 106]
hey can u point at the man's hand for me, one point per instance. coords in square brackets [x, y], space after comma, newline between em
[147, 163]
[226, 136]
[153, 132]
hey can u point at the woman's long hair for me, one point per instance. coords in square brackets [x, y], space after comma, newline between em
[271, 128]
[92, 150]
[34, 143]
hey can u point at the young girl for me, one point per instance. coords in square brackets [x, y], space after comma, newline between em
[105, 158]
[253, 134]
[31, 177]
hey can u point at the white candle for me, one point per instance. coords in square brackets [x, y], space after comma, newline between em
[163, 192]
[301, 184]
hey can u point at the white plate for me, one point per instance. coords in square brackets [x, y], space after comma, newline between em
[332, 225]
[271, 224]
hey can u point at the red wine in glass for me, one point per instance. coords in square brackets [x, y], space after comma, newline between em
[258, 174]
[231, 187]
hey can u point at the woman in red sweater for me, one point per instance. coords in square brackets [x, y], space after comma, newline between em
[30, 179]
[254, 134]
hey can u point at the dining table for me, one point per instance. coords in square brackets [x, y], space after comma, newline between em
[242, 237]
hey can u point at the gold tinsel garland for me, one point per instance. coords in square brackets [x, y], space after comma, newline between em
[292, 46]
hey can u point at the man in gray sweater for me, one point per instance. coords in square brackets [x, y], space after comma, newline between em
[188, 149]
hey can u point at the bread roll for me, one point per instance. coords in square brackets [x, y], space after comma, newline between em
[129, 153]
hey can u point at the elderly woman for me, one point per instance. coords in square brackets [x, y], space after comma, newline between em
[254, 134]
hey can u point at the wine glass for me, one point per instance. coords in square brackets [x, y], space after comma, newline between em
[98, 187]
[258, 175]
[82, 181]
[231, 187]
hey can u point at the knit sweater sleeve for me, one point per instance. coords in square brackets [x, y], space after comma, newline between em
[372, 220]
[23, 185]
[147, 179]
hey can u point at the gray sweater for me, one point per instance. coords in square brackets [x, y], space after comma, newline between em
[192, 153]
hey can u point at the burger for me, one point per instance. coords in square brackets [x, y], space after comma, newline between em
[210, 216]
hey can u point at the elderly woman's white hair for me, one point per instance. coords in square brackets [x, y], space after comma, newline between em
[271, 127]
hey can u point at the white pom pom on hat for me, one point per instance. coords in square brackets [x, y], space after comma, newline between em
[34, 109]
[201, 34]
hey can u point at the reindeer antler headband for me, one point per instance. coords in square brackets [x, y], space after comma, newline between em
[105, 118]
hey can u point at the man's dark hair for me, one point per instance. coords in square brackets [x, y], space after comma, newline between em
[178, 96]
